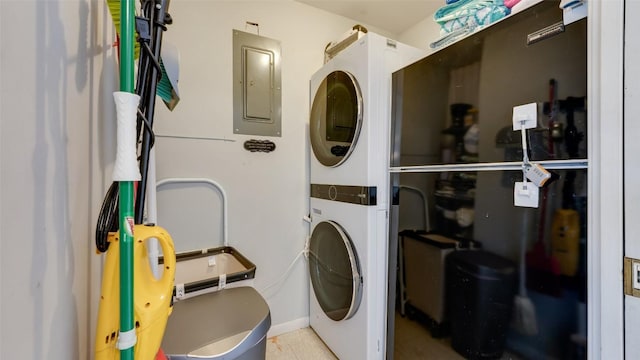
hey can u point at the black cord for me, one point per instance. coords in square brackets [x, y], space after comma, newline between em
[147, 127]
[108, 218]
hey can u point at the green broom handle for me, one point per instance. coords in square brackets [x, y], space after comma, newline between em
[126, 196]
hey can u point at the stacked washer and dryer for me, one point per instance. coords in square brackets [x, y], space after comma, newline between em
[349, 204]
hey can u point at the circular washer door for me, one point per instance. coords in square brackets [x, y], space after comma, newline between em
[336, 118]
[335, 271]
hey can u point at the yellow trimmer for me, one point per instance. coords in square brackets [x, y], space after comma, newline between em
[152, 298]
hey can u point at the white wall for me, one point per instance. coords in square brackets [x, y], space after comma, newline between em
[51, 97]
[267, 192]
[422, 34]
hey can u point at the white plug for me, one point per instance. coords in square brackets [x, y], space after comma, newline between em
[307, 243]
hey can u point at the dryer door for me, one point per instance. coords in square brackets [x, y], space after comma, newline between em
[335, 271]
[336, 118]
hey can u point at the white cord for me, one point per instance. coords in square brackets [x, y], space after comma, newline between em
[525, 155]
[285, 275]
[306, 247]
[523, 133]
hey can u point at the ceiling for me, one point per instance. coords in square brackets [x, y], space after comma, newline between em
[393, 16]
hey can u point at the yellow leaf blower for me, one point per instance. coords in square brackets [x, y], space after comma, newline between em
[152, 297]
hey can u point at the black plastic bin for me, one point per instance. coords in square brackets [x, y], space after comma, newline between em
[480, 290]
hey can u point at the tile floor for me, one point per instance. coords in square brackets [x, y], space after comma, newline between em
[302, 344]
[413, 341]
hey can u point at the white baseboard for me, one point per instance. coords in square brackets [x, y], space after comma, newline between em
[289, 326]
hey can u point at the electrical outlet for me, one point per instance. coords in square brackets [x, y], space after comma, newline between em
[632, 277]
[526, 115]
[525, 194]
[635, 272]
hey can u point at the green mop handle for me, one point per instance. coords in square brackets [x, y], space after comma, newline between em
[126, 192]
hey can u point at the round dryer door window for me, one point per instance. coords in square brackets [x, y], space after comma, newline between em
[336, 118]
[335, 271]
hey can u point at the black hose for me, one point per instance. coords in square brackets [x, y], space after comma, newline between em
[108, 218]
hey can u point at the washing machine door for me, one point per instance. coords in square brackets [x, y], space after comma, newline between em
[336, 118]
[334, 271]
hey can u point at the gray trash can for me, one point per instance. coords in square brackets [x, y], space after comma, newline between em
[228, 324]
[423, 256]
[480, 290]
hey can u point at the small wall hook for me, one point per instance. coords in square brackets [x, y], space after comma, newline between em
[255, 24]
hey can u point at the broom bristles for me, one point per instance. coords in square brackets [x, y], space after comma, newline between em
[524, 316]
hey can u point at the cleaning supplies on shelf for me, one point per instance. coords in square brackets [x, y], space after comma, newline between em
[469, 13]
[451, 37]
[511, 3]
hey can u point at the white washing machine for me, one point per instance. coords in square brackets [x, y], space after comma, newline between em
[349, 136]
[351, 113]
[347, 268]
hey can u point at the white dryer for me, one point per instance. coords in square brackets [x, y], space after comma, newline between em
[348, 247]
[351, 112]
[347, 268]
